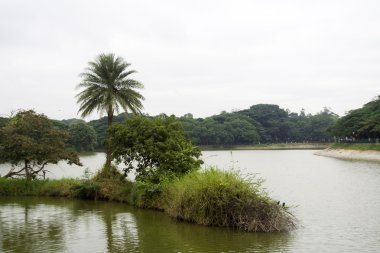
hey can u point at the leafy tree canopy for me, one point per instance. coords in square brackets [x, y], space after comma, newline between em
[29, 141]
[153, 146]
[3, 121]
[360, 123]
[82, 136]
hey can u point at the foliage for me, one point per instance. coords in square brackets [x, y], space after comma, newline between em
[51, 188]
[260, 124]
[100, 126]
[356, 146]
[82, 137]
[146, 194]
[112, 185]
[106, 188]
[218, 198]
[107, 87]
[360, 123]
[29, 140]
[153, 147]
[3, 121]
[211, 197]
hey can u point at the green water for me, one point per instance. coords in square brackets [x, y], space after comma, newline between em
[336, 202]
[61, 225]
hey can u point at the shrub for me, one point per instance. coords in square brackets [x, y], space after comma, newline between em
[153, 146]
[146, 194]
[112, 185]
[218, 198]
[87, 190]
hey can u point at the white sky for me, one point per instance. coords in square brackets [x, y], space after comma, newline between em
[198, 57]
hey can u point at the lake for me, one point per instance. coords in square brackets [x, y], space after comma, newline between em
[337, 204]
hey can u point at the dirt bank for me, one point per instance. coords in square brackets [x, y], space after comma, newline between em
[362, 155]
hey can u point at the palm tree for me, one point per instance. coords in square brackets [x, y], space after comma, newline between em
[107, 88]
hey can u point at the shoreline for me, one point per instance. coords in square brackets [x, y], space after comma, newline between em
[280, 146]
[351, 154]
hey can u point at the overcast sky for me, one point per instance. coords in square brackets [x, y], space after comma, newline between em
[199, 57]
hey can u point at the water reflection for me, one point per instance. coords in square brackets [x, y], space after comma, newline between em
[61, 225]
[31, 228]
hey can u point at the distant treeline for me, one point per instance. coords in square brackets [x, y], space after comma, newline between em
[360, 125]
[262, 123]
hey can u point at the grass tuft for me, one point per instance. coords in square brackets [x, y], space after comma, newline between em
[219, 198]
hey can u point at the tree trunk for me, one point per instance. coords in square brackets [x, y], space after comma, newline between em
[108, 148]
[27, 172]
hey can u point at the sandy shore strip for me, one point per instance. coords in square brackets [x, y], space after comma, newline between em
[349, 154]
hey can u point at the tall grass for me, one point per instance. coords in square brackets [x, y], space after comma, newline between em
[22, 187]
[211, 197]
[219, 198]
[106, 184]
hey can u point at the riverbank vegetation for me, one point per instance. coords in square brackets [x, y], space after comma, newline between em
[359, 125]
[210, 197]
[219, 198]
[357, 146]
[168, 177]
[274, 146]
[157, 149]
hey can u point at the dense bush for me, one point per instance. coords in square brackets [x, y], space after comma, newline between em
[153, 147]
[217, 198]
[82, 136]
[112, 185]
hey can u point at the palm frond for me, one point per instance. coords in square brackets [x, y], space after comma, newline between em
[106, 87]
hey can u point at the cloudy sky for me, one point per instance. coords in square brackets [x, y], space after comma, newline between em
[201, 57]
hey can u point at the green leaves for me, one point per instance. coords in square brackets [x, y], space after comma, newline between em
[360, 123]
[30, 140]
[107, 87]
[82, 136]
[152, 147]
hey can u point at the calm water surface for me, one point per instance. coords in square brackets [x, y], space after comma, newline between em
[337, 203]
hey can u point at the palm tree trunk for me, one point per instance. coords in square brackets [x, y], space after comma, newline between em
[108, 148]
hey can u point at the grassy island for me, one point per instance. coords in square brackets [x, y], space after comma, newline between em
[167, 165]
[211, 197]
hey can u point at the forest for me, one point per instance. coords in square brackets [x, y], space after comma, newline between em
[362, 124]
[259, 124]
[262, 123]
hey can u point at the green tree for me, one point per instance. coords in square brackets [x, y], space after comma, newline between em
[153, 147]
[29, 142]
[3, 121]
[82, 137]
[107, 88]
[360, 123]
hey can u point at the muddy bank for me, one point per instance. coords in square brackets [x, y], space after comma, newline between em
[362, 155]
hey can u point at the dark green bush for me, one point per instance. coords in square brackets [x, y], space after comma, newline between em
[86, 190]
[146, 194]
